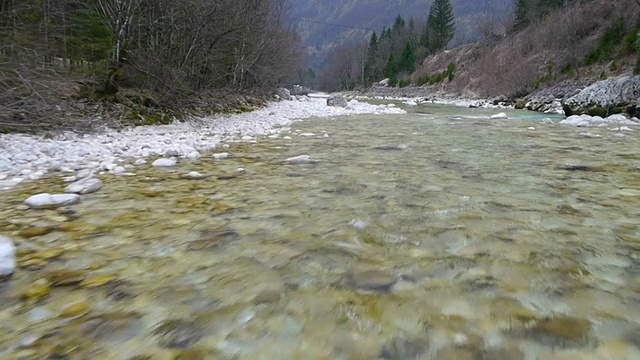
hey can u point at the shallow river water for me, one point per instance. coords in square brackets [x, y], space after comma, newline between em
[439, 234]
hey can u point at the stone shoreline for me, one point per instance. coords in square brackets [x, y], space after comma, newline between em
[29, 157]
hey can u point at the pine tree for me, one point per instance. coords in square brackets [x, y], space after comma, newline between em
[370, 72]
[521, 14]
[408, 59]
[441, 24]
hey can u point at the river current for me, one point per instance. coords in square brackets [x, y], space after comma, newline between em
[439, 234]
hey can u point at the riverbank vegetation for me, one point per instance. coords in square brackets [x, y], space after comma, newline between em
[144, 59]
[543, 43]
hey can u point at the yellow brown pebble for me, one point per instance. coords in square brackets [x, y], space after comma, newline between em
[98, 280]
[34, 231]
[37, 290]
[76, 309]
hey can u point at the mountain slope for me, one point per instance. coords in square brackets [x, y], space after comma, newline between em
[323, 24]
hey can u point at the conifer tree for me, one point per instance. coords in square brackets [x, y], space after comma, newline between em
[521, 14]
[441, 24]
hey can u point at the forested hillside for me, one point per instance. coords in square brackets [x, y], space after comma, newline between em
[321, 35]
[162, 54]
[546, 42]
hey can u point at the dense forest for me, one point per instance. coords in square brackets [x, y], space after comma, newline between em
[169, 52]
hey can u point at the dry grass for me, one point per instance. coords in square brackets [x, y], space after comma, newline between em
[519, 62]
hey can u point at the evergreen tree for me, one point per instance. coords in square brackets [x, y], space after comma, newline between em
[399, 24]
[370, 71]
[521, 14]
[408, 58]
[390, 69]
[441, 24]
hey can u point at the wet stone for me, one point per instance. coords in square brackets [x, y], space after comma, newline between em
[34, 231]
[210, 239]
[63, 277]
[179, 334]
[562, 332]
[112, 327]
[372, 279]
[401, 349]
[76, 309]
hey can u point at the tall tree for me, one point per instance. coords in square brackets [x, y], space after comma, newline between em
[441, 24]
[522, 12]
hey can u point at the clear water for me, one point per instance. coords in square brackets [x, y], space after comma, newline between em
[474, 239]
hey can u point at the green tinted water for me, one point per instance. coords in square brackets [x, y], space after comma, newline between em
[475, 239]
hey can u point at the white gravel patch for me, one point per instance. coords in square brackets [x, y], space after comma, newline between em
[27, 157]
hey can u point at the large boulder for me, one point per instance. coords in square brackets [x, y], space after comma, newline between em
[299, 90]
[337, 100]
[283, 94]
[603, 98]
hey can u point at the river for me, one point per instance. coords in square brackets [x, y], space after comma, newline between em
[439, 234]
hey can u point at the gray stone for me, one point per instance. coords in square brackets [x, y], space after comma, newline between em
[337, 100]
[615, 92]
[283, 94]
[370, 279]
[84, 186]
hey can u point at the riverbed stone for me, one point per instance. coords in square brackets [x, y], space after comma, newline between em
[164, 162]
[300, 160]
[84, 186]
[46, 200]
[7, 257]
[499, 116]
[370, 279]
[337, 100]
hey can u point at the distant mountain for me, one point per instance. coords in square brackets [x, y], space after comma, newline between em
[326, 23]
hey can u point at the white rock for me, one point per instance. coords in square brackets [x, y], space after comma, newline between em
[590, 135]
[619, 134]
[164, 162]
[307, 134]
[55, 166]
[41, 201]
[247, 138]
[106, 165]
[194, 175]
[325, 135]
[140, 162]
[531, 128]
[226, 146]
[499, 116]
[193, 155]
[617, 118]
[625, 128]
[70, 179]
[220, 156]
[7, 256]
[300, 159]
[358, 224]
[84, 173]
[118, 170]
[84, 186]
[287, 138]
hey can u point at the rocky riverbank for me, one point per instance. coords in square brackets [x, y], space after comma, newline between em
[27, 157]
[620, 95]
